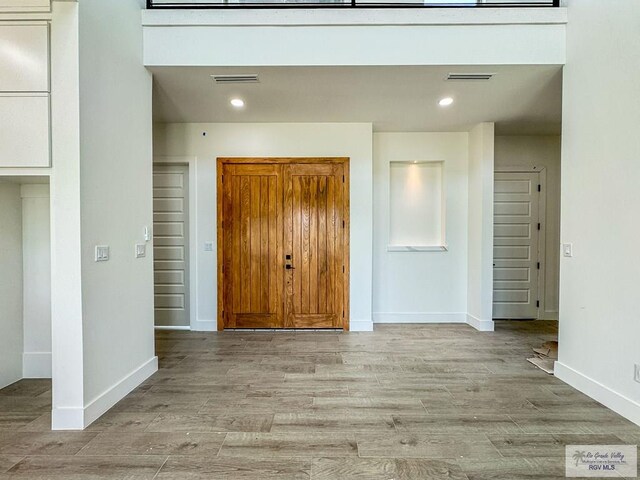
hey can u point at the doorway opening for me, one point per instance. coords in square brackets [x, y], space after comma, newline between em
[25, 289]
[527, 180]
[283, 243]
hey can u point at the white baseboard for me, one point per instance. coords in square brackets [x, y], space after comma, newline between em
[81, 418]
[367, 326]
[360, 326]
[36, 364]
[615, 401]
[103, 402]
[67, 418]
[480, 325]
[429, 317]
[205, 326]
[424, 317]
[550, 315]
[172, 327]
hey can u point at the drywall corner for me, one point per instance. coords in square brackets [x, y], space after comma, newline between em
[480, 240]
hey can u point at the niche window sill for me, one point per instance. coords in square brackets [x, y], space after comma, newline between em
[423, 248]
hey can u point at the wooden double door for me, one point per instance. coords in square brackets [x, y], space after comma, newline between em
[283, 243]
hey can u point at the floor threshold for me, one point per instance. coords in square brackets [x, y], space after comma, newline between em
[284, 330]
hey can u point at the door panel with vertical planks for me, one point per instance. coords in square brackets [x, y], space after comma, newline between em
[252, 269]
[314, 245]
[283, 247]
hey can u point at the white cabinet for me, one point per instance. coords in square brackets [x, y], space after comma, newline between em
[8, 6]
[24, 92]
[24, 58]
[24, 131]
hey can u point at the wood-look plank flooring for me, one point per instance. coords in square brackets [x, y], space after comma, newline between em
[406, 402]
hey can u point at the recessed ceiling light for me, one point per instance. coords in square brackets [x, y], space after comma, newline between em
[445, 102]
[237, 102]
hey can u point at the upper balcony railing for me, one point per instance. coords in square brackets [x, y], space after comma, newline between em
[230, 4]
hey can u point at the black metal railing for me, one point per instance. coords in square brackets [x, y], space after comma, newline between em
[208, 4]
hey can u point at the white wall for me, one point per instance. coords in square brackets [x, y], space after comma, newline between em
[366, 37]
[544, 152]
[421, 286]
[36, 247]
[599, 324]
[102, 314]
[10, 284]
[66, 281]
[400, 286]
[480, 257]
[274, 140]
[116, 202]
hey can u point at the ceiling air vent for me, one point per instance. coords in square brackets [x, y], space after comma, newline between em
[470, 76]
[228, 79]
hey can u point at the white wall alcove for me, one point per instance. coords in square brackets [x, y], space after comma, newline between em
[416, 206]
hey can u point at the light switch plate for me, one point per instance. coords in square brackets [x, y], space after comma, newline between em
[147, 234]
[208, 246]
[636, 376]
[141, 250]
[102, 253]
[567, 250]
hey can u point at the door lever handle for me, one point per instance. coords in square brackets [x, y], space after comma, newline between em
[289, 267]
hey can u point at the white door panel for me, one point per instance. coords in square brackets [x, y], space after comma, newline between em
[512, 296]
[170, 229]
[511, 253]
[507, 274]
[514, 186]
[164, 206]
[10, 6]
[513, 209]
[172, 254]
[24, 131]
[516, 217]
[171, 245]
[513, 230]
[170, 301]
[173, 277]
[24, 58]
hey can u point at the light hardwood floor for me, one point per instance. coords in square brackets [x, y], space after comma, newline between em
[408, 402]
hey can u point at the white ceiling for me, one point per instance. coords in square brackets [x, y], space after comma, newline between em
[520, 99]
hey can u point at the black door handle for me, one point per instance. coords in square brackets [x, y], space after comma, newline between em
[289, 267]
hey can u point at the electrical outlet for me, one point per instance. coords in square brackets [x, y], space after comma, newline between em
[637, 373]
[141, 250]
[102, 253]
[208, 246]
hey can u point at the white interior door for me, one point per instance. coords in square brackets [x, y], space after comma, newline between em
[171, 244]
[516, 245]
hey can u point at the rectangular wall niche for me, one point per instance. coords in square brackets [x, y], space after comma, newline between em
[416, 207]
